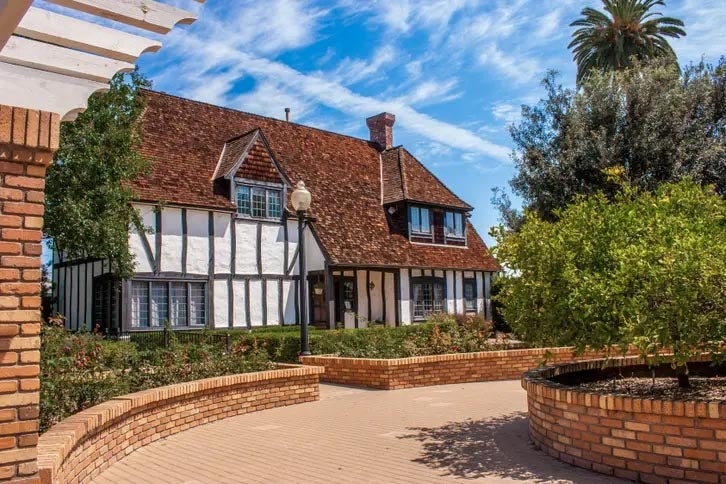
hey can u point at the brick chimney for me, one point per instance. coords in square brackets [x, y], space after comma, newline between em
[381, 128]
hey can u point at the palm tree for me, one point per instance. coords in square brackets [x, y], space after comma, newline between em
[607, 42]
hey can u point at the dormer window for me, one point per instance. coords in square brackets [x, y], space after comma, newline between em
[259, 201]
[454, 225]
[420, 218]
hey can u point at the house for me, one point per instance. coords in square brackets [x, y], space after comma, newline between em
[389, 241]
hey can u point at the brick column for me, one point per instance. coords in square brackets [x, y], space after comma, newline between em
[28, 140]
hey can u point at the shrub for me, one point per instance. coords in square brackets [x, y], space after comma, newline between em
[81, 370]
[647, 269]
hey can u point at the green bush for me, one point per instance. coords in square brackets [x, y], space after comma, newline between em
[647, 269]
[80, 370]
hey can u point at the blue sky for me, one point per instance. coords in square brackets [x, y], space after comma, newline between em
[454, 72]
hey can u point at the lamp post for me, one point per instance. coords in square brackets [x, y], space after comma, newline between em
[300, 199]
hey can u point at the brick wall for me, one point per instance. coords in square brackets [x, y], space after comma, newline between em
[83, 445]
[648, 440]
[28, 140]
[420, 371]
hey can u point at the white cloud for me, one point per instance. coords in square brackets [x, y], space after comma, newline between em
[212, 54]
[549, 24]
[270, 99]
[514, 65]
[431, 92]
[509, 113]
[349, 71]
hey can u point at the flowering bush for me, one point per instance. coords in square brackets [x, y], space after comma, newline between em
[81, 370]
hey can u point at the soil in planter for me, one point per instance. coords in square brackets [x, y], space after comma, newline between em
[708, 382]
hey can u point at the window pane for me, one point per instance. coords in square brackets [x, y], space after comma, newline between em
[438, 303]
[159, 303]
[197, 314]
[428, 297]
[415, 219]
[469, 295]
[243, 200]
[454, 224]
[425, 222]
[178, 304]
[258, 202]
[458, 225]
[274, 209]
[139, 304]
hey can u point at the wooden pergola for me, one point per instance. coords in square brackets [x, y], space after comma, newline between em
[53, 62]
[50, 63]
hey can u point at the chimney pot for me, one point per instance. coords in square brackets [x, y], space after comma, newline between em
[287, 114]
[381, 129]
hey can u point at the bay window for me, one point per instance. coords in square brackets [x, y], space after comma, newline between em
[181, 303]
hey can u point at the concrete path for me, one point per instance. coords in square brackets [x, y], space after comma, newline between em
[471, 432]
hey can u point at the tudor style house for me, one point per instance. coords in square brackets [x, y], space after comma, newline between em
[389, 241]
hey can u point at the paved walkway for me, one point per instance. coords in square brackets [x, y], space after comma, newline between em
[475, 431]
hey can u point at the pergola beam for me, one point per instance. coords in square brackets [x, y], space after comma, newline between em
[144, 14]
[11, 12]
[54, 28]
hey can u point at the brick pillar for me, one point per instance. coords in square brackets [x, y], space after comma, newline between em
[28, 140]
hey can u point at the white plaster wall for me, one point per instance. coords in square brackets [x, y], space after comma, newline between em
[171, 240]
[246, 250]
[240, 311]
[390, 299]
[459, 278]
[197, 242]
[438, 273]
[362, 299]
[292, 244]
[273, 249]
[416, 273]
[314, 260]
[220, 304]
[349, 322]
[377, 296]
[288, 301]
[222, 243]
[256, 303]
[136, 246]
[480, 293]
[405, 307]
[273, 314]
[450, 291]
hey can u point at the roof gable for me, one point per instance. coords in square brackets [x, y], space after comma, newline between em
[249, 156]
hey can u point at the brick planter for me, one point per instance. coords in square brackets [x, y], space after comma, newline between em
[83, 445]
[419, 371]
[643, 439]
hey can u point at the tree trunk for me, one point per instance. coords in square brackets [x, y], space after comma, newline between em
[683, 377]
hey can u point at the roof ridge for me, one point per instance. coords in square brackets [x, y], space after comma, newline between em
[437, 179]
[216, 106]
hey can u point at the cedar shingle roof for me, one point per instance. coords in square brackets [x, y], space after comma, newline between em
[183, 141]
[233, 151]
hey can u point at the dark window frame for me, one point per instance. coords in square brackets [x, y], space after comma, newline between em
[428, 280]
[108, 312]
[469, 281]
[419, 232]
[267, 189]
[454, 217]
[188, 293]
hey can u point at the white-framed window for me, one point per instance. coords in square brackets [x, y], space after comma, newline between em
[182, 303]
[259, 202]
[428, 296]
[454, 224]
[420, 218]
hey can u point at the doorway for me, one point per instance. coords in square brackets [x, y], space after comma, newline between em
[318, 306]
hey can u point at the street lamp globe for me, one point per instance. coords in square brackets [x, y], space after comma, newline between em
[300, 198]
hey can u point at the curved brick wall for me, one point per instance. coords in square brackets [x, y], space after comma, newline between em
[649, 440]
[419, 371]
[81, 446]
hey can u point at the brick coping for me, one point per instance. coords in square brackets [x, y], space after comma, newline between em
[539, 381]
[413, 360]
[642, 439]
[57, 444]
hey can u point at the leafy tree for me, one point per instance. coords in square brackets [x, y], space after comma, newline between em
[628, 29]
[659, 125]
[648, 268]
[88, 211]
